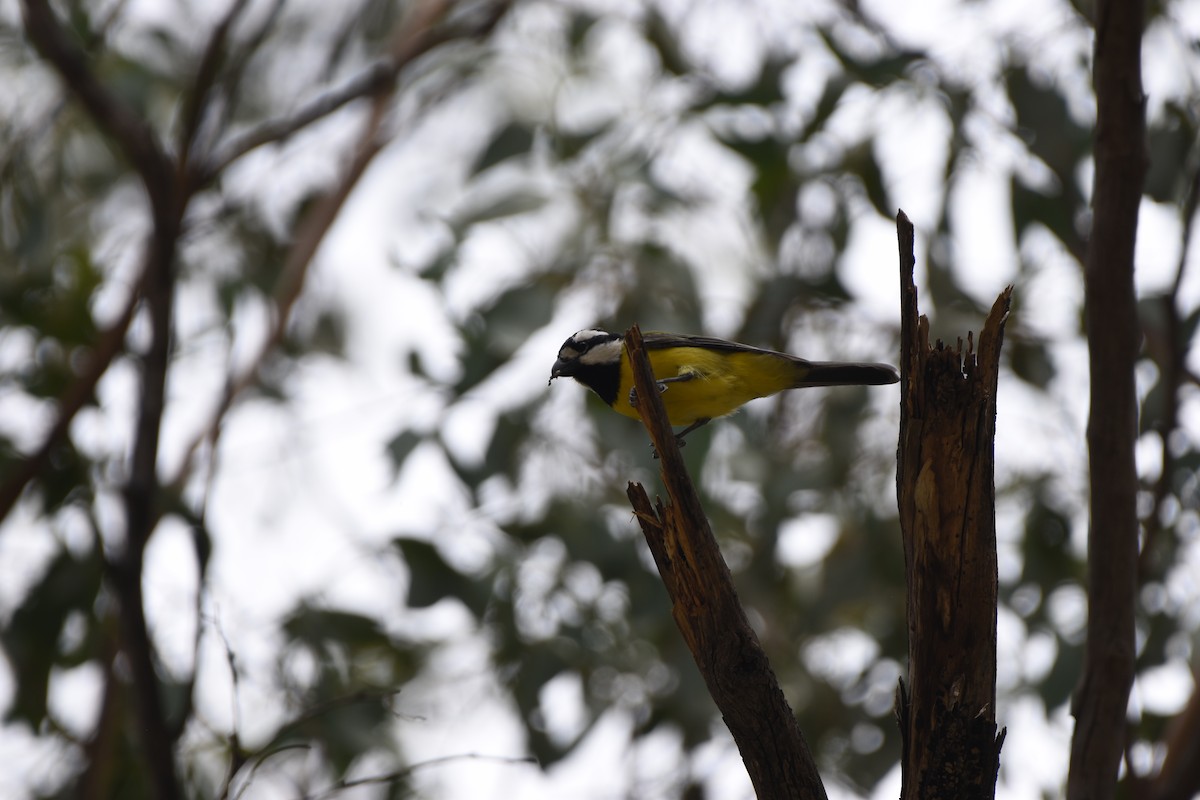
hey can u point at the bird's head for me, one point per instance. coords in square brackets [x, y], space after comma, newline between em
[587, 348]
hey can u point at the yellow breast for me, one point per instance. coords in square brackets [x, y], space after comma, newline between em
[721, 382]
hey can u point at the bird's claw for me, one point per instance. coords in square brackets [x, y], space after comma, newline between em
[679, 440]
[662, 387]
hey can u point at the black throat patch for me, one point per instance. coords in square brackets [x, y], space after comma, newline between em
[603, 379]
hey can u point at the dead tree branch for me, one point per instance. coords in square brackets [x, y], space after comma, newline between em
[710, 616]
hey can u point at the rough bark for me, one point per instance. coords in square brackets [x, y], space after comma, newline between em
[711, 619]
[944, 480]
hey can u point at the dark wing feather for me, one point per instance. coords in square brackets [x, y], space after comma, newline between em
[661, 341]
[817, 373]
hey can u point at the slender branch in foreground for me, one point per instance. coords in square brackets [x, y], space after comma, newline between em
[1102, 699]
[710, 616]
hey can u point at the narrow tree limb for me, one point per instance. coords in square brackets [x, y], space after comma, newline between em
[411, 40]
[109, 343]
[710, 617]
[116, 119]
[1179, 778]
[196, 102]
[142, 503]
[1169, 348]
[946, 492]
[167, 203]
[420, 34]
[1111, 317]
[309, 235]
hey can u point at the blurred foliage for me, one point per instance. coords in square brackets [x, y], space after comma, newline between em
[629, 225]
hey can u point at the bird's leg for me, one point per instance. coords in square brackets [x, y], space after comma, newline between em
[698, 423]
[679, 437]
[662, 386]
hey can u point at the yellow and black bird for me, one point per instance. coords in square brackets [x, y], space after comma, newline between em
[700, 378]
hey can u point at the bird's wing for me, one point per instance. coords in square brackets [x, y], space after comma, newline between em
[661, 341]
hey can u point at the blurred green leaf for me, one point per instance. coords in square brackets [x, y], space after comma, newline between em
[1031, 361]
[1033, 207]
[432, 579]
[478, 211]
[831, 96]
[400, 446]
[31, 637]
[861, 163]
[320, 627]
[512, 140]
[1051, 132]
[765, 91]
[1168, 143]
[665, 41]
[1047, 540]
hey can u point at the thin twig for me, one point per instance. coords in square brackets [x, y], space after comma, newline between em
[406, 772]
[239, 60]
[309, 235]
[118, 121]
[1172, 354]
[424, 30]
[261, 758]
[417, 38]
[237, 758]
[411, 41]
[196, 101]
[108, 344]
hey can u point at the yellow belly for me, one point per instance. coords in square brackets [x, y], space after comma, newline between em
[720, 383]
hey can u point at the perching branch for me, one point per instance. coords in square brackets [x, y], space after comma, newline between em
[946, 492]
[1111, 316]
[710, 617]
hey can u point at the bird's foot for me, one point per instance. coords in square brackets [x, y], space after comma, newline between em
[633, 401]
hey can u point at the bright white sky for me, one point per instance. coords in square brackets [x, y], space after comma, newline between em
[304, 501]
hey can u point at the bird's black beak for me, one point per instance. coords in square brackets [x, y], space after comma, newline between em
[562, 368]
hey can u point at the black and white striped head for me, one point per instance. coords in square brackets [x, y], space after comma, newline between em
[593, 358]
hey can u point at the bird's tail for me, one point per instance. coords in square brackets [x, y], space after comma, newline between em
[845, 373]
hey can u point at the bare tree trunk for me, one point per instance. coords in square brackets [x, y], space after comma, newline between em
[946, 494]
[1111, 315]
